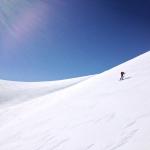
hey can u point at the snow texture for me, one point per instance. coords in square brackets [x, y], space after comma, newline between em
[96, 112]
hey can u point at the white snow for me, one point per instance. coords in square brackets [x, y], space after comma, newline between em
[96, 112]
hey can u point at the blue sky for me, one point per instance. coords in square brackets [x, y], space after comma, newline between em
[58, 39]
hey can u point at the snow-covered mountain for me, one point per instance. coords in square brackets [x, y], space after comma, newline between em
[96, 112]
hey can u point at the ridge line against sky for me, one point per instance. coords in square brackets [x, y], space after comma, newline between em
[58, 39]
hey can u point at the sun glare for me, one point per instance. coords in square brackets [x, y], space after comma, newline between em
[19, 20]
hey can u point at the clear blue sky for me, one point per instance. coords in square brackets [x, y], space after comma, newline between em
[58, 39]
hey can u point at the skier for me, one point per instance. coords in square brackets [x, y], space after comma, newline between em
[122, 75]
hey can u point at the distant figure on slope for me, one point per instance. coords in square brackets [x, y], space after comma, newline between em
[122, 75]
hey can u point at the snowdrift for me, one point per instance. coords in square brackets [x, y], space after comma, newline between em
[96, 112]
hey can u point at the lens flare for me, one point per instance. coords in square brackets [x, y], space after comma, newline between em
[19, 20]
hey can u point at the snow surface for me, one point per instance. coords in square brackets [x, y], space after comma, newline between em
[96, 112]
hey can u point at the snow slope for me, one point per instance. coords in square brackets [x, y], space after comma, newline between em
[97, 112]
[12, 92]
